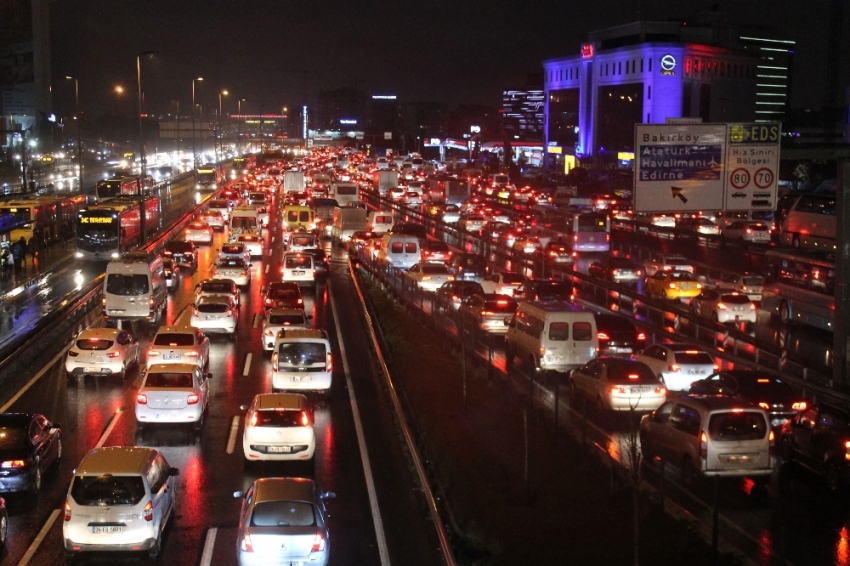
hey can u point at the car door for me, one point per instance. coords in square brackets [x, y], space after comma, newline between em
[40, 442]
[656, 428]
[802, 430]
[202, 385]
[161, 498]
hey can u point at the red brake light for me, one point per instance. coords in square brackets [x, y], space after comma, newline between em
[195, 312]
[13, 464]
[641, 336]
[703, 445]
[329, 364]
[246, 543]
[602, 336]
[192, 354]
[674, 367]
[193, 399]
[800, 406]
[305, 418]
[113, 354]
[67, 511]
[765, 406]
[142, 399]
[721, 306]
[153, 353]
[318, 543]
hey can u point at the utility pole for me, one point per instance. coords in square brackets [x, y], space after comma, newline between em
[143, 162]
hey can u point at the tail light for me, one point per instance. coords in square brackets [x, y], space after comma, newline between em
[329, 364]
[771, 437]
[800, 406]
[193, 399]
[641, 336]
[847, 450]
[103, 301]
[229, 313]
[721, 306]
[67, 511]
[764, 405]
[12, 464]
[671, 285]
[195, 312]
[674, 367]
[153, 353]
[142, 399]
[254, 419]
[268, 332]
[752, 306]
[269, 302]
[660, 390]
[192, 354]
[148, 511]
[703, 445]
[274, 361]
[716, 367]
[618, 390]
[602, 336]
[305, 418]
[318, 543]
[637, 272]
[113, 355]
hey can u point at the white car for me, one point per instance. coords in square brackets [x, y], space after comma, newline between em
[102, 351]
[235, 249]
[451, 214]
[173, 393]
[667, 262]
[527, 244]
[412, 199]
[502, 283]
[217, 287]
[234, 268]
[171, 273]
[282, 319]
[302, 361]
[198, 232]
[747, 283]
[724, 307]
[220, 205]
[618, 384]
[678, 365]
[214, 219]
[428, 276]
[299, 268]
[215, 314]
[395, 193]
[252, 241]
[179, 345]
[279, 426]
[472, 223]
[663, 221]
[742, 231]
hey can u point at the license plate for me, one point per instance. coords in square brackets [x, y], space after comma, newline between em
[696, 371]
[115, 311]
[171, 356]
[280, 449]
[212, 317]
[621, 350]
[108, 529]
[298, 273]
[738, 459]
[301, 378]
[93, 370]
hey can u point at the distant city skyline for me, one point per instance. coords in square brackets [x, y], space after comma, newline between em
[284, 52]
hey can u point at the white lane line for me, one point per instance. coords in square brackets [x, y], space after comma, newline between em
[256, 319]
[115, 418]
[361, 442]
[38, 540]
[231, 439]
[273, 237]
[247, 369]
[35, 378]
[209, 545]
[267, 267]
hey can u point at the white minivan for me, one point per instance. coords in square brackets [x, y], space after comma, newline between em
[380, 222]
[400, 250]
[121, 499]
[551, 335]
[134, 288]
[302, 361]
[244, 219]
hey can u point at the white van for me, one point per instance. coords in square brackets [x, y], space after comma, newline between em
[302, 361]
[551, 335]
[134, 288]
[121, 499]
[380, 222]
[244, 219]
[299, 268]
[400, 250]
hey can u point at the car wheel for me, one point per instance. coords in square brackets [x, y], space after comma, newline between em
[153, 552]
[4, 527]
[36, 484]
[199, 424]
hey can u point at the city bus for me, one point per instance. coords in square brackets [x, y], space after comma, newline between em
[588, 231]
[242, 165]
[206, 178]
[800, 287]
[106, 230]
[50, 218]
[810, 223]
[123, 186]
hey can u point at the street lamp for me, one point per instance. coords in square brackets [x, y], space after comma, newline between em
[239, 137]
[79, 138]
[143, 162]
[194, 152]
[220, 130]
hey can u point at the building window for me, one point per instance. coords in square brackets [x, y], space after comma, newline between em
[649, 92]
[641, 65]
[620, 68]
[650, 66]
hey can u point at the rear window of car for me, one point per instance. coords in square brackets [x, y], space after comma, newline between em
[434, 269]
[212, 308]
[681, 276]
[411, 248]
[286, 319]
[294, 262]
[174, 339]
[677, 261]
[231, 262]
[283, 293]
[559, 331]
[502, 305]
[13, 438]
[181, 380]
[436, 246]
[283, 514]
[273, 417]
[304, 216]
[753, 280]
[303, 241]
[218, 204]
[294, 354]
[735, 299]
[232, 249]
[631, 373]
[108, 490]
[127, 285]
[94, 344]
[737, 426]
[694, 358]
[215, 287]
[512, 278]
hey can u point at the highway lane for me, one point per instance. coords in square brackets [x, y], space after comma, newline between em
[209, 474]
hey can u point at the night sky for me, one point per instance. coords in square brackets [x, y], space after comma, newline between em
[279, 52]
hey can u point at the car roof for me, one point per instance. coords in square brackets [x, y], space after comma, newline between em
[216, 299]
[98, 333]
[116, 460]
[283, 489]
[274, 401]
[171, 368]
[718, 402]
[177, 329]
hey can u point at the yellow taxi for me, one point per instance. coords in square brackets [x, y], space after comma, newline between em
[672, 285]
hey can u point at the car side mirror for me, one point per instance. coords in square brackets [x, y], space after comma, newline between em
[328, 495]
[55, 425]
[238, 494]
[208, 376]
[243, 407]
[173, 472]
[309, 317]
[510, 322]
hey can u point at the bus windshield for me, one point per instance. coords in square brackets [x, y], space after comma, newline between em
[592, 223]
[97, 236]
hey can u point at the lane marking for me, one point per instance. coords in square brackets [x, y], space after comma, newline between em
[361, 442]
[115, 418]
[38, 539]
[273, 237]
[209, 545]
[254, 322]
[267, 267]
[231, 439]
[35, 378]
[247, 369]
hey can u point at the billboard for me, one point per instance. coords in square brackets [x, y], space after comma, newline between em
[752, 166]
[679, 167]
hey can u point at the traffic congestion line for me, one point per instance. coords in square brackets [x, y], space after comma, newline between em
[39, 538]
[209, 546]
[35, 378]
[231, 439]
[247, 369]
[383, 552]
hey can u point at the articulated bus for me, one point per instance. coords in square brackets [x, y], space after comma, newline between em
[50, 218]
[123, 186]
[242, 165]
[810, 223]
[801, 287]
[588, 231]
[106, 230]
[206, 178]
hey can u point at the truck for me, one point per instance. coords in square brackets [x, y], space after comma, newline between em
[323, 214]
[347, 221]
[457, 191]
[293, 182]
[345, 193]
[385, 180]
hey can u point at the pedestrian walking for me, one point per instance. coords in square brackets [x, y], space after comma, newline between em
[10, 262]
[17, 254]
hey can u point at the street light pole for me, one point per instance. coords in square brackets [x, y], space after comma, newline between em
[239, 137]
[79, 135]
[194, 151]
[220, 136]
[143, 162]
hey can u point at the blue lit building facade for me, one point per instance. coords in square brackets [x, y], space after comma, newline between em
[645, 72]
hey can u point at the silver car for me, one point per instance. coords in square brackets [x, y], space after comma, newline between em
[279, 319]
[235, 269]
[102, 351]
[618, 384]
[283, 521]
[678, 365]
[173, 393]
[179, 345]
[215, 314]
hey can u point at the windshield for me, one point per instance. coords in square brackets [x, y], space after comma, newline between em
[693, 358]
[13, 438]
[231, 263]
[283, 514]
[216, 287]
[97, 232]
[286, 320]
[296, 262]
[94, 344]
[213, 308]
[737, 426]
[177, 380]
[127, 285]
[346, 190]
[735, 299]
[753, 281]
[295, 354]
[592, 223]
[433, 269]
[108, 490]
[277, 417]
[284, 293]
[232, 249]
[244, 222]
[631, 373]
